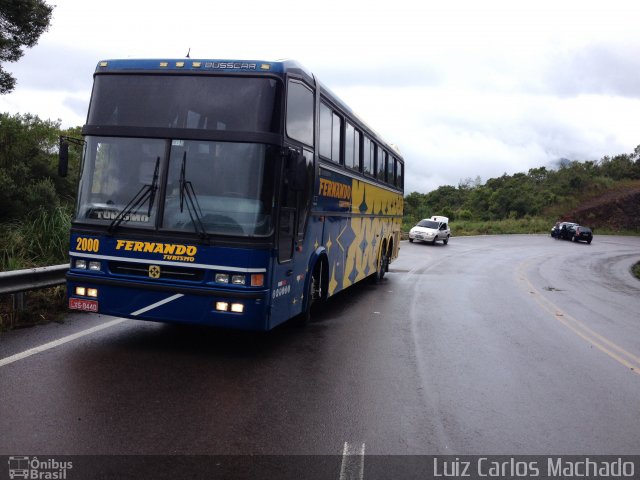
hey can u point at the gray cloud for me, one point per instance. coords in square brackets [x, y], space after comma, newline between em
[381, 74]
[48, 67]
[596, 69]
[78, 106]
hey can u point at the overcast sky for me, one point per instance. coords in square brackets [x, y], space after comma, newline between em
[465, 88]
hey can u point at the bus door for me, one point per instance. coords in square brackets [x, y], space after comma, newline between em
[291, 262]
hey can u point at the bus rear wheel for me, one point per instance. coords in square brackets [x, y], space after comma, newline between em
[383, 265]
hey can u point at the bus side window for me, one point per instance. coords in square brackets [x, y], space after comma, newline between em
[330, 133]
[352, 147]
[368, 157]
[300, 112]
[399, 174]
[391, 174]
[325, 131]
[381, 164]
[336, 134]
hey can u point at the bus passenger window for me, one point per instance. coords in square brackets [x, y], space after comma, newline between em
[335, 142]
[300, 113]
[325, 131]
[349, 149]
[391, 177]
[352, 148]
[356, 151]
[368, 156]
[330, 132]
[400, 174]
[381, 164]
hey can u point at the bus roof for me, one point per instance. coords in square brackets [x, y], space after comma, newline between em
[201, 65]
[277, 67]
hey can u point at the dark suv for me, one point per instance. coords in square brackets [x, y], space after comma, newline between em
[573, 232]
[559, 227]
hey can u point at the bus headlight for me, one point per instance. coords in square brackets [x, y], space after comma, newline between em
[95, 266]
[86, 292]
[81, 264]
[222, 278]
[237, 307]
[229, 307]
[222, 306]
[237, 280]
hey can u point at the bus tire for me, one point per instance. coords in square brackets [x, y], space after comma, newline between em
[383, 264]
[311, 297]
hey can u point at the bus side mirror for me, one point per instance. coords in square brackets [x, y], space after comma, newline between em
[63, 158]
[297, 171]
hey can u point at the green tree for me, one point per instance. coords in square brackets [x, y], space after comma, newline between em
[478, 203]
[21, 24]
[28, 167]
[619, 167]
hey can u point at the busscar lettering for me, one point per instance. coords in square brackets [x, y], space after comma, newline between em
[230, 65]
[169, 251]
[329, 188]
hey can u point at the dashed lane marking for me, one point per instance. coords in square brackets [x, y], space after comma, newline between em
[352, 467]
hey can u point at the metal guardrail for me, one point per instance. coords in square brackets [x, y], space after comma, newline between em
[17, 281]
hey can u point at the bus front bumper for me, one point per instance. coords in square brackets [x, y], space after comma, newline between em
[246, 310]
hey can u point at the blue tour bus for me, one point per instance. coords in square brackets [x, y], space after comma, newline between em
[226, 193]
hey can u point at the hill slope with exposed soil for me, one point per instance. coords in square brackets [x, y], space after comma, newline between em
[617, 209]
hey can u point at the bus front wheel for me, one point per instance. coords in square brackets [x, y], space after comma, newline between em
[312, 296]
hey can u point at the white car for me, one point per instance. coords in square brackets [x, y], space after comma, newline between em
[431, 229]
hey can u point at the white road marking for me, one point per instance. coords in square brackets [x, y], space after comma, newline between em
[352, 467]
[61, 341]
[157, 304]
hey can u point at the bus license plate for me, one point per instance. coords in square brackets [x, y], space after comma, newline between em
[86, 305]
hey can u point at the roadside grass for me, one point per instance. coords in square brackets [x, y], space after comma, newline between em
[527, 225]
[40, 307]
[40, 240]
[37, 241]
[464, 228]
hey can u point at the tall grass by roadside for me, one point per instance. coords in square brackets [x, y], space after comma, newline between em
[462, 228]
[39, 240]
[525, 225]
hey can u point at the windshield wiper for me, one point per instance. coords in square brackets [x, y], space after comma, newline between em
[193, 207]
[154, 185]
[147, 192]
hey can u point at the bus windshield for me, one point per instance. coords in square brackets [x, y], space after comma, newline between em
[183, 101]
[220, 188]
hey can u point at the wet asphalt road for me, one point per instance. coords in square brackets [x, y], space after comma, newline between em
[489, 345]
